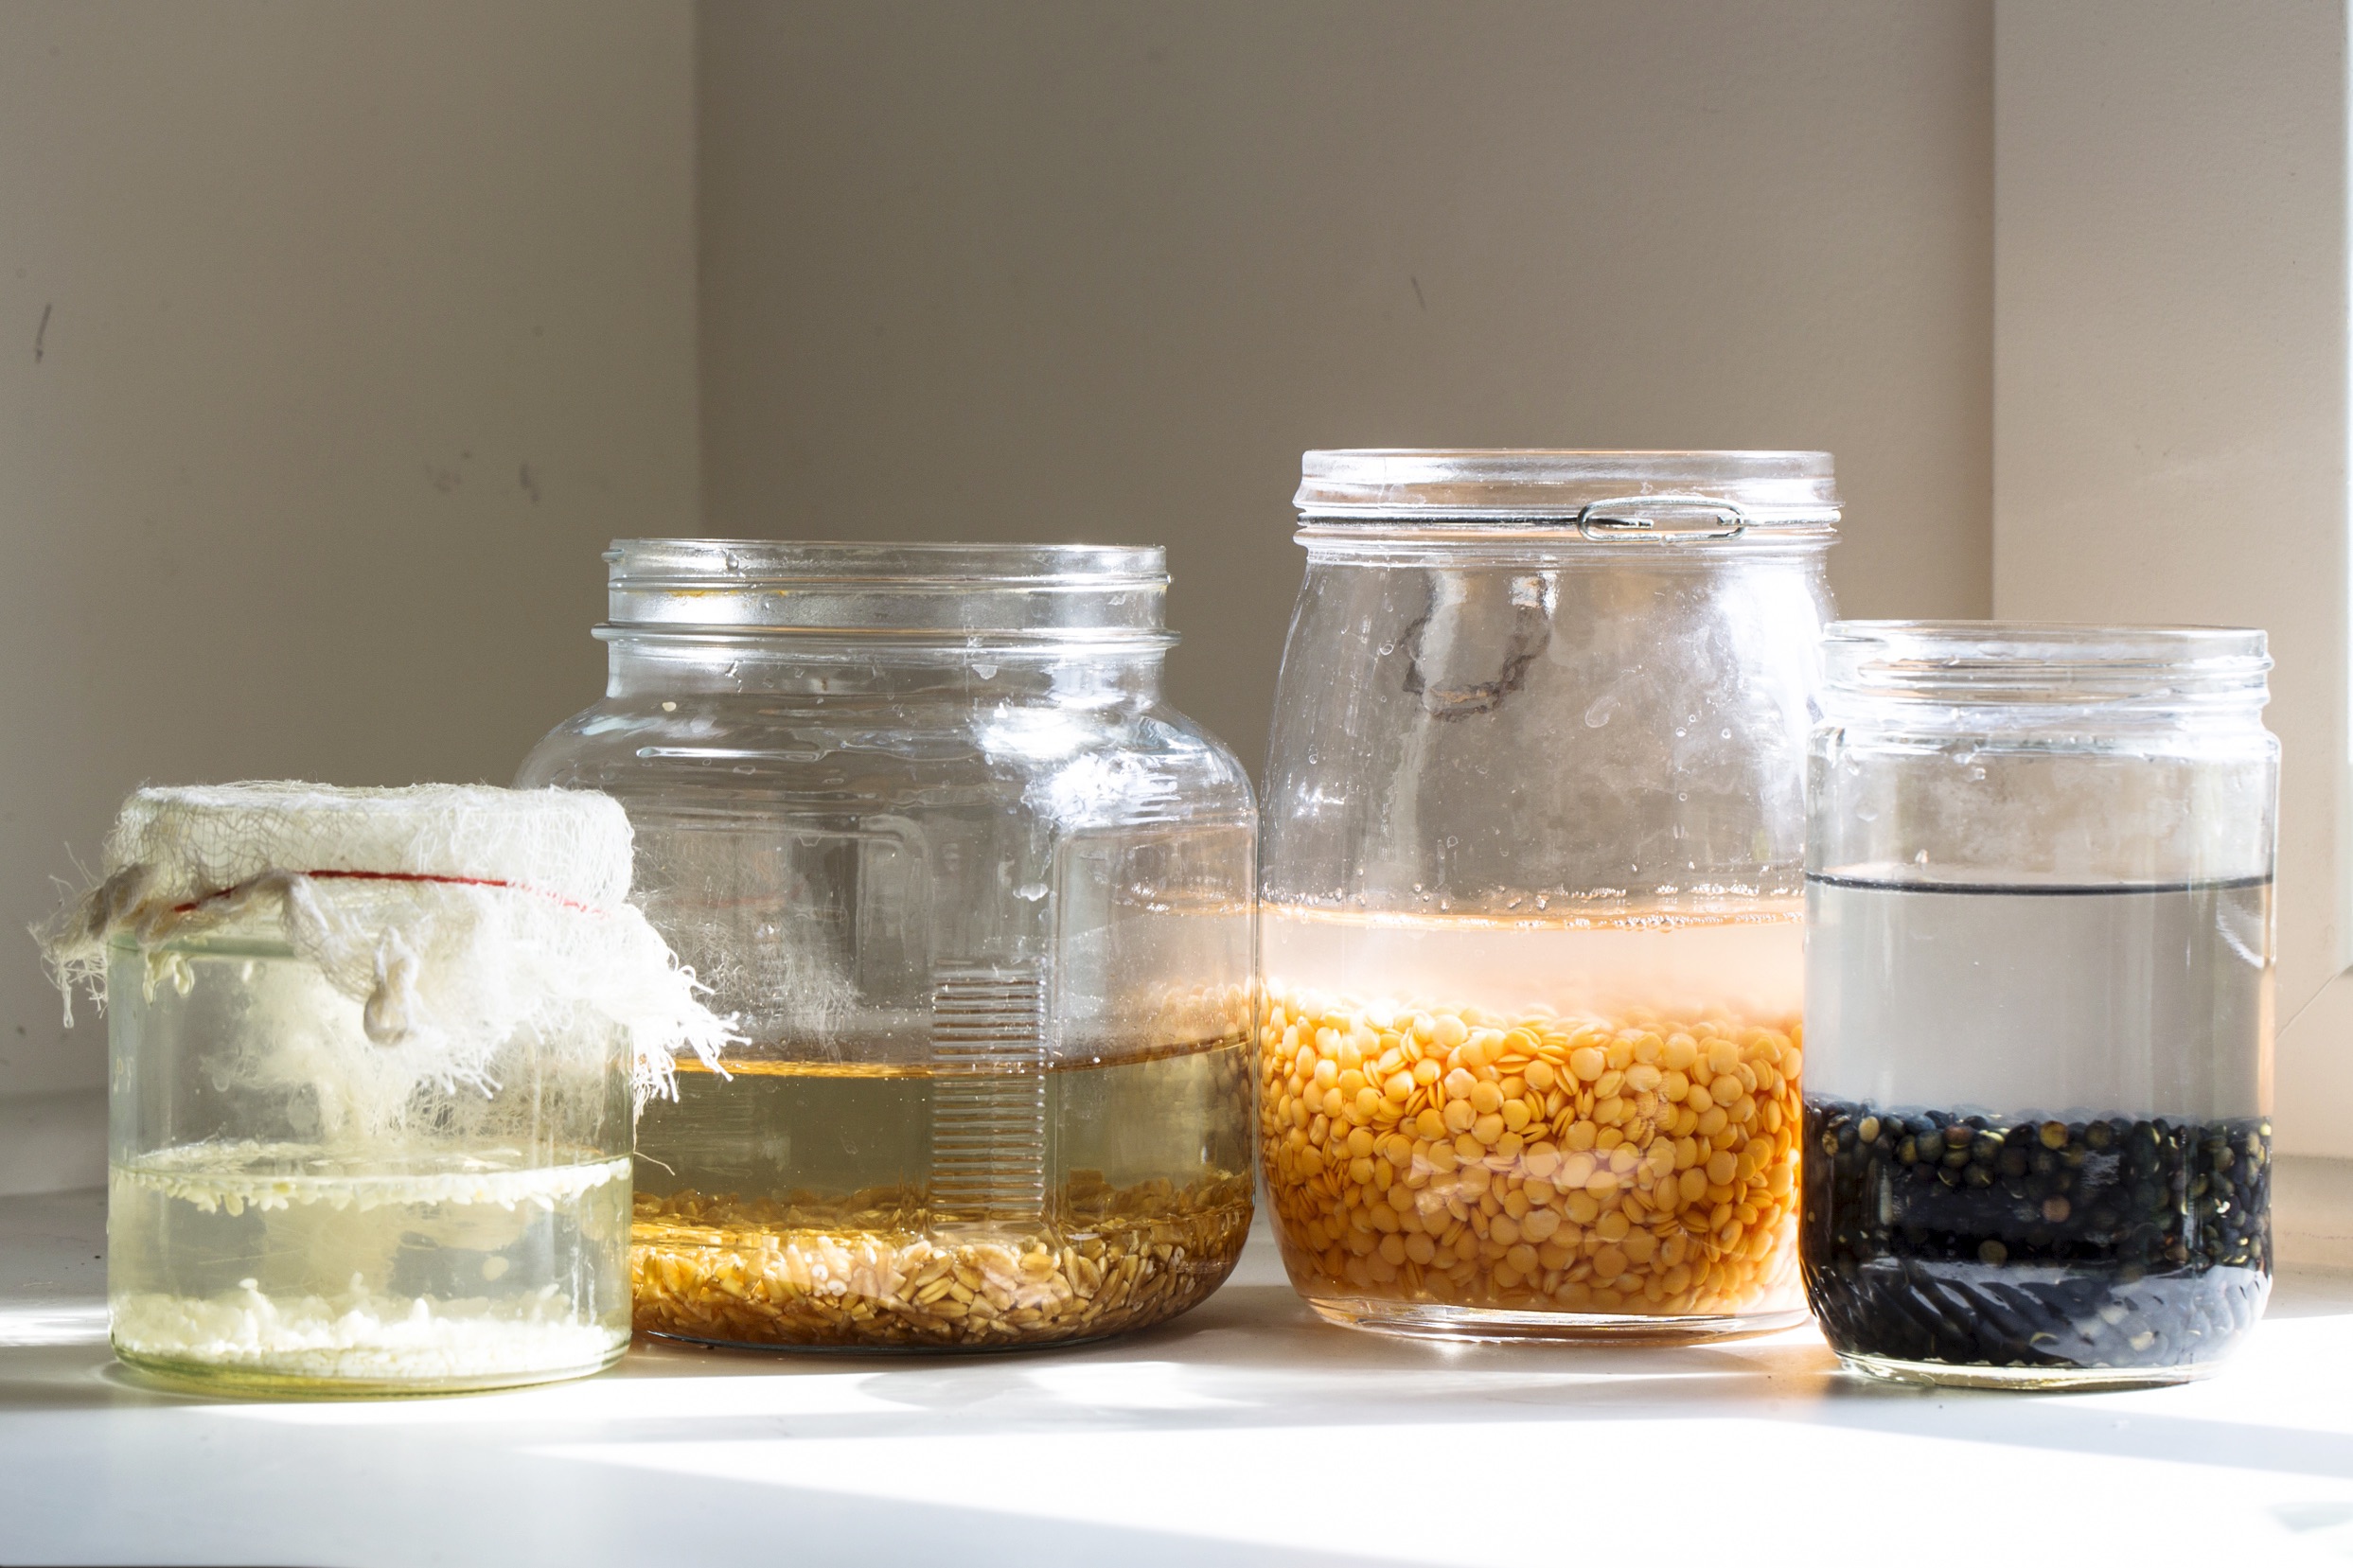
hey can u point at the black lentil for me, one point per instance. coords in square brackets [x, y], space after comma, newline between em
[2091, 1242]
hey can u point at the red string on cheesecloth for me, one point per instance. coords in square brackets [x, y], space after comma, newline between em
[406, 903]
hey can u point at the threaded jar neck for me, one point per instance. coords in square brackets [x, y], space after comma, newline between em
[1500, 506]
[1006, 598]
[1995, 674]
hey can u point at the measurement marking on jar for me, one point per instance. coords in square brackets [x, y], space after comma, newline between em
[988, 1116]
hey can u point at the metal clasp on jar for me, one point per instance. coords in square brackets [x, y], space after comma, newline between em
[1622, 515]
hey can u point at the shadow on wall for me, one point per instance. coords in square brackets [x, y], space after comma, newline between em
[53, 1142]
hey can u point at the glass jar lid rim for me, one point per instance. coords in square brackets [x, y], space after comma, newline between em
[945, 594]
[1960, 645]
[1589, 488]
[1967, 667]
[748, 561]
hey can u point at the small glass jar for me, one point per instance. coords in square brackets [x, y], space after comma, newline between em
[2039, 1001]
[981, 904]
[372, 1056]
[1531, 920]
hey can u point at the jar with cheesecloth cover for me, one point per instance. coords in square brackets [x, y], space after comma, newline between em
[1532, 956]
[981, 905]
[374, 1055]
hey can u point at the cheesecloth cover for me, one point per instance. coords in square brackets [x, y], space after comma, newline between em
[460, 917]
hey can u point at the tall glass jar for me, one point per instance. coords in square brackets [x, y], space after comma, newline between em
[1531, 920]
[981, 903]
[2039, 1001]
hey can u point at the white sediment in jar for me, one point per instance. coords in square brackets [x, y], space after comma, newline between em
[335, 1257]
[359, 1335]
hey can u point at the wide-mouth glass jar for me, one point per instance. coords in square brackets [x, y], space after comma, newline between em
[981, 904]
[2039, 1001]
[1531, 906]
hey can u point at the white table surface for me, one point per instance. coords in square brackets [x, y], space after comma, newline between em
[1245, 1432]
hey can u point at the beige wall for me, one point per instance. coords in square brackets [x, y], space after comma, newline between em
[335, 340]
[1075, 270]
[2171, 435]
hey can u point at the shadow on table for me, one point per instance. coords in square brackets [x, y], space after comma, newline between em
[82, 1376]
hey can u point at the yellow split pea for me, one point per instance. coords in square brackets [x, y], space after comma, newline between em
[1639, 1164]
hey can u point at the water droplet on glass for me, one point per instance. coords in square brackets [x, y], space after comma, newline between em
[1030, 893]
[987, 672]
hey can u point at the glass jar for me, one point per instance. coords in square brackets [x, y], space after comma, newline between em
[981, 903]
[2039, 1001]
[372, 1055]
[1530, 908]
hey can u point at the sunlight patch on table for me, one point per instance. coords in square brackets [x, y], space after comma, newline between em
[28, 1324]
[1448, 1492]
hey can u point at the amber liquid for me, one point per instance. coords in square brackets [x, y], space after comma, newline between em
[851, 1204]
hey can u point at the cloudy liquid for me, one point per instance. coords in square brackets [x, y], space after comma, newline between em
[2147, 1000]
[282, 1266]
[1749, 964]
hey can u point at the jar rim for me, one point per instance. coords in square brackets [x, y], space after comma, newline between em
[2048, 663]
[933, 591]
[1656, 495]
[751, 562]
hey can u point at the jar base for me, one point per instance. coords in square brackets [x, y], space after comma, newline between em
[1496, 1326]
[881, 1347]
[190, 1377]
[2045, 1380]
